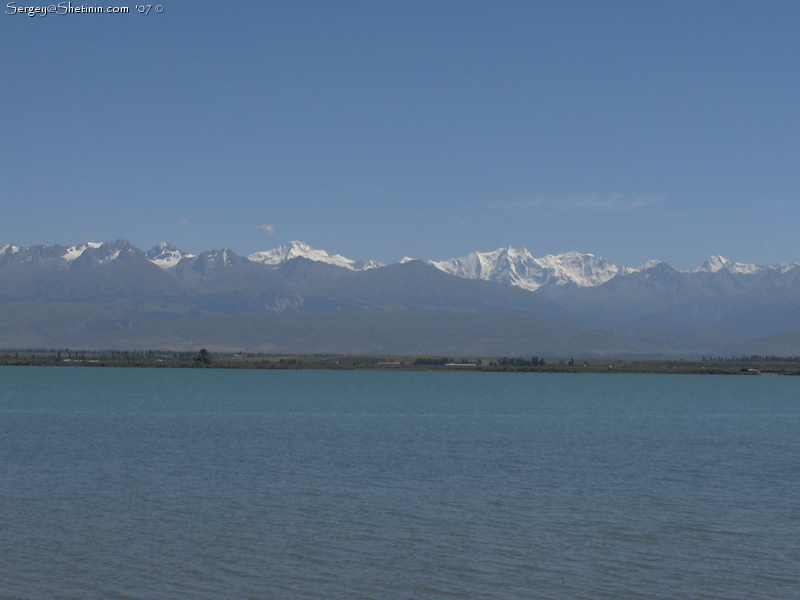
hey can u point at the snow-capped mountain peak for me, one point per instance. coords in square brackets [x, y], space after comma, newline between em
[623, 271]
[716, 263]
[586, 270]
[518, 267]
[166, 256]
[650, 264]
[93, 253]
[297, 249]
[74, 252]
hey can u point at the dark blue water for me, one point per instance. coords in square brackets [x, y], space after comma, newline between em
[151, 484]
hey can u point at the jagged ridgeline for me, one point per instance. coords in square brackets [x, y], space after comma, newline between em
[299, 299]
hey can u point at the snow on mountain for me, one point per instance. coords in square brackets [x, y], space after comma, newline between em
[511, 266]
[165, 255]
[717, 263]
[623, 271]
[74, 252]
[586, 270]
[300, 249]
[518, 267]
[93, 253]
[222, 257]
[748, 269]
[650, 264]
[366, 265]
[713, 264]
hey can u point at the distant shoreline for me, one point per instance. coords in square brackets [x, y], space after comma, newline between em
[208, 360]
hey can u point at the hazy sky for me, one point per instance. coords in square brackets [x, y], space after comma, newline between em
[633, 131]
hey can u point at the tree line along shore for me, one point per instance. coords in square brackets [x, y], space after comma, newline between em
[203, 359]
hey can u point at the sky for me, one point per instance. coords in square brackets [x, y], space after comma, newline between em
[378, 130]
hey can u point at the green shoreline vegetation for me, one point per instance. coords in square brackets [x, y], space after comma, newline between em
[743, 365]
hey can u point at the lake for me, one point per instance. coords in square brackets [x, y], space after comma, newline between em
[207, 484]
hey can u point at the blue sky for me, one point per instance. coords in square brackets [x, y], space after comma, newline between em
[633, 131]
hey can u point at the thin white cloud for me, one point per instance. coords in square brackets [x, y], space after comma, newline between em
[186, 223]
[593, 202]
[268, 229]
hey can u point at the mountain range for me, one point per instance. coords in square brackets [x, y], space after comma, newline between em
[295, 298]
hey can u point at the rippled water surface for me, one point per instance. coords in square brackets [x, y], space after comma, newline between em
[152, 484]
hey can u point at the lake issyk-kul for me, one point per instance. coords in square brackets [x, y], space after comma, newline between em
[208, 484]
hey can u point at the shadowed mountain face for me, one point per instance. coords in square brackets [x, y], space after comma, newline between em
[115, 295]
[663, 298]
[95, 278]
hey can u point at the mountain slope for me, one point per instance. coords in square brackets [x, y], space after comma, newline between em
[105, 326]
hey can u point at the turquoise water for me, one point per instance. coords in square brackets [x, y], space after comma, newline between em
[151, 484]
